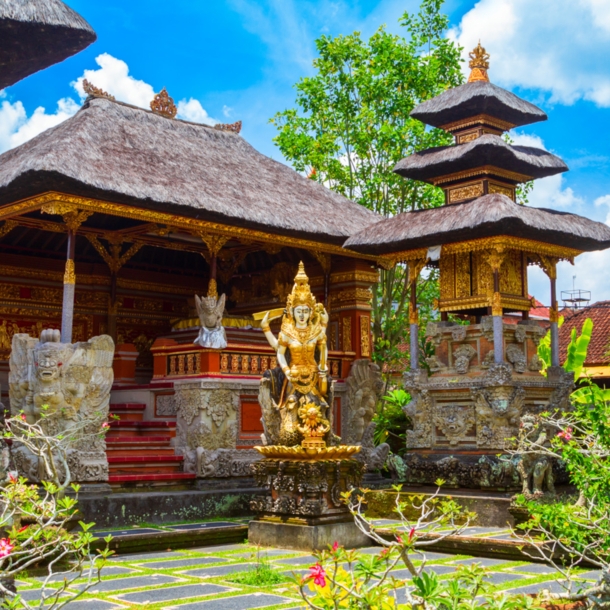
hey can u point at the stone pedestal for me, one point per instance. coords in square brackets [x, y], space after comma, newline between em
[303, 508]
[306, 537]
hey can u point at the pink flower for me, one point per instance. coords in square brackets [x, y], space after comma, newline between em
[5, 547]
[411, 533]
[22, 417]
[105, 425]
[566, 435]
[318, 574]
[399, 540]
[335, 547]
[12, 478]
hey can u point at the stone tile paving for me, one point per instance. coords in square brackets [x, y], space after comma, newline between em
[202, 579]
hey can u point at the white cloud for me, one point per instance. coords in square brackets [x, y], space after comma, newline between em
[114, 78]
[194, 111]
[227, 111]
[557, 46]
[548, 192]
[16, 127]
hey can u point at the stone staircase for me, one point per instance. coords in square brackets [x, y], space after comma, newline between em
[140, 453]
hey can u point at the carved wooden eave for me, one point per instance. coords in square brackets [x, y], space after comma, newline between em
[162, 223]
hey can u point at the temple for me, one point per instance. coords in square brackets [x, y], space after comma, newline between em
[485, 374]
[116, 220]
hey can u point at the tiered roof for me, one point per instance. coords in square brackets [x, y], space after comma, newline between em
[479, 174]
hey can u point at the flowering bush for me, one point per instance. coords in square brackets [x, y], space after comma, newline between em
[345, 579]
[36, 523]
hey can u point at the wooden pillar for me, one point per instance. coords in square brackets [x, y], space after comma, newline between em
[67, 312]
[113, 306]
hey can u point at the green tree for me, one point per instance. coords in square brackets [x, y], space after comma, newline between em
[352, 125]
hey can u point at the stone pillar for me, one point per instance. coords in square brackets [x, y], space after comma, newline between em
[415, 268]
[67, 312]
[554, 319]
[414, 328]
[498, 324]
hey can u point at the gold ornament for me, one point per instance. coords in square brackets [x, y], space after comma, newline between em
[479, 64]
[69, 274]
[164, 105]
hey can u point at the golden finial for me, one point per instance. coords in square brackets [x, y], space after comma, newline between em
[164, 105]
[232, 127]
[479, 64]
[91, 89]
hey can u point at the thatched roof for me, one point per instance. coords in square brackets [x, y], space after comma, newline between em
[487, 216]
[35, 34]
[479, 97]
[486, 150]
[117, 152]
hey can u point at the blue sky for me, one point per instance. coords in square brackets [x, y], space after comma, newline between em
[225, 60]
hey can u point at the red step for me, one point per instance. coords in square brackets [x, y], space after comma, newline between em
[128, 411]
[165, 479]
[125, 446]
[146, 465]
[141, 428]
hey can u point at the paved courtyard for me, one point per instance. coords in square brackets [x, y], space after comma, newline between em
[202, 578]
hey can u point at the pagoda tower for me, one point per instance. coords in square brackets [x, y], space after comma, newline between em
[485, 374]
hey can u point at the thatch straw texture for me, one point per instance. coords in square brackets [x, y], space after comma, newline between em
[120, 153]
[35, 34]
[486, 216]
[479, 97]
[486, 150]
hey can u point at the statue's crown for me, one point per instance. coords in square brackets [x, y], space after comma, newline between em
[301, 292]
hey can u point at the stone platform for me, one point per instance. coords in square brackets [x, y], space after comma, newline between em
[302, 537]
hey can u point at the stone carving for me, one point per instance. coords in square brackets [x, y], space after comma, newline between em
[307, 489]
[454, 421]
[364, 388]
[497, 414]
[434, 363]
[498, 472]
[488, 360]
[71, 383]
[206, 420]
[458, 333]
[373, 457]
[210, 311]
[166, 405]
[535, 363]
[516, 356]
[463, 355]
[225, 463]
[520, 333]
[419, 410]
[535, 469]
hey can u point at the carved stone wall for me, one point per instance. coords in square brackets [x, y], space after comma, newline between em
[70, 384]
[207, 428]
[469, 406]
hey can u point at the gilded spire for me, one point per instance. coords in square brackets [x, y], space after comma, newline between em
[479, 64]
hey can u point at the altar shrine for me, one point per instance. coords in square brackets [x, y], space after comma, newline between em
[484, 376]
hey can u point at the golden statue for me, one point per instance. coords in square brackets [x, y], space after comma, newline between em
[300, 393]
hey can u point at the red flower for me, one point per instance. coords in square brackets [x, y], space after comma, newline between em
[5, 547]
[335, 547]
[399, 539]
[22, 529]
[566, 435]
[318, 574]
[411, 534]
[22, 417]
[12, 478]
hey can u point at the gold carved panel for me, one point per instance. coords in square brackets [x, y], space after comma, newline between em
[347, 334]
[462, 275]
[365, 336]
[461, 193]
[447, 279]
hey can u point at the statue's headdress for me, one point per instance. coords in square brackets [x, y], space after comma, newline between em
[301, 292]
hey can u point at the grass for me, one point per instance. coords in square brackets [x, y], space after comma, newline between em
[262, 575]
